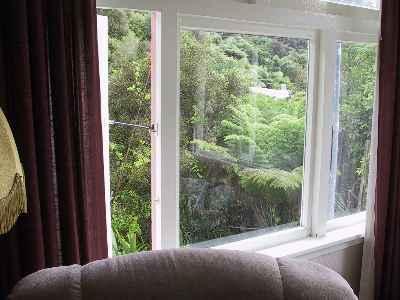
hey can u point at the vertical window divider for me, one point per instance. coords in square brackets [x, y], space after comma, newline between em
[166, 186]
[311, 117]
[155, 136]
[102, 37]
[322, 156]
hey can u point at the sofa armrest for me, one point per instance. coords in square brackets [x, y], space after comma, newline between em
[61, 283]
[304, 280]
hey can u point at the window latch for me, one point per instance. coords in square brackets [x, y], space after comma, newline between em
[154, 128]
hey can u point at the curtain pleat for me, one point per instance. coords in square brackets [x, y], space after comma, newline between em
[42, 124]
[368, 261]
[387, 203]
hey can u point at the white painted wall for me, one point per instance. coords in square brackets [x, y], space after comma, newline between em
[346, 262]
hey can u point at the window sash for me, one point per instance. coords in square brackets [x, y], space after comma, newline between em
[217, 25]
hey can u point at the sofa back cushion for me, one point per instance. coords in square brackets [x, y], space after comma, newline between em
[186, 274]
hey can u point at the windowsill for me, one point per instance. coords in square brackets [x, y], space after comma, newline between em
[309, 248]
[341, 233]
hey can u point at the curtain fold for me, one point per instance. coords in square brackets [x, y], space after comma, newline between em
[387, 204]
[368, 262]
[50, 92]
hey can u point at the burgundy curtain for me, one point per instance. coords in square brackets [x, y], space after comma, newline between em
[49, 90]
[387, 206]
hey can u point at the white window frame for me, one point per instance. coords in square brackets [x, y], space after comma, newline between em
[102, 38]
[189, 22]
[281, 18]
[355, 218]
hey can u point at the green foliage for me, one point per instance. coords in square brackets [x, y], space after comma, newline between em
[265, 132]
[210, 81]
[127, 243]
[140, 25]
[118, 25]
[274, 183]
[357, 96]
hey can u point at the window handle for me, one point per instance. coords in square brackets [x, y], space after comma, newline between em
[153, 127]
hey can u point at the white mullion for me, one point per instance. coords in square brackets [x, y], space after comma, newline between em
[155, 136]
[169, 132]
[323, 133]
[310, 142]
[102, 37]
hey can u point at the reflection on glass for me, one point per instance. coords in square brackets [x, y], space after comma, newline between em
[242, 134]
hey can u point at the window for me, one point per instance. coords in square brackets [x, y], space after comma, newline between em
[129, 134]
[235, 126]
[351, 130]
[242, 119]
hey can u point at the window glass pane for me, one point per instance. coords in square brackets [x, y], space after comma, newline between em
[351, 132]
[242, 131]
[129, 105]
[361, 3]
